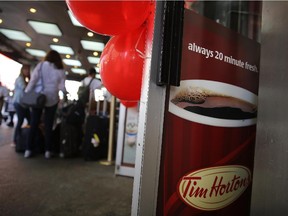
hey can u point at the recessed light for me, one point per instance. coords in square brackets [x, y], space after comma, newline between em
[28, 44]
[62, 49]
[45, 28]
[32, 10]
[56, 40]
[15, 34]
[95, 53]
[90, 34]
[1, 21]
[92, 45]
[68, 56]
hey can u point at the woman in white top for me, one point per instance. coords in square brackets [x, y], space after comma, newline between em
[53, 76]
[21, 111]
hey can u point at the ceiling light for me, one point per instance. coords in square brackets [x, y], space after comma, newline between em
[92, 45]
[28, 44]
[33, 10]
[78, 70]
[95, 53]
[62, 49]
[90, 34]
[1, 21]
[55, 40]
[68, 56]
[36, 52]
[45, 28]
[93, 60]
[74, 20]
[72, 62]
[15, 35]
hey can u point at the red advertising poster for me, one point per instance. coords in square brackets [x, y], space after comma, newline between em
[210, 124]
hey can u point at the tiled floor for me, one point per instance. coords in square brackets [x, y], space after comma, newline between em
[59, 187]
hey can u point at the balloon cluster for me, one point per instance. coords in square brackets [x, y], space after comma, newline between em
[121, 65]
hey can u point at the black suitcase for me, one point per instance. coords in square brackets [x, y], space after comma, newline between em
[96, 135]
[70, 139]
[73, 113]
[56, 138]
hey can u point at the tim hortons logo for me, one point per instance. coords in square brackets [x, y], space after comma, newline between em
[215, 187]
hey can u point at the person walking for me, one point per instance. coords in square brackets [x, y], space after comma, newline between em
[3, 95]
[52, 72]
[10, 109]
[22, 112]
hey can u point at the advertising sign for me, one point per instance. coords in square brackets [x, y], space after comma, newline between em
[126, 140]
[210, 124]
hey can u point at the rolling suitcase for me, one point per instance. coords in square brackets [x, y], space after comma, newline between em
[70, 139]
[73, 113]
[56, 138]
[95, 145]
[71, 134]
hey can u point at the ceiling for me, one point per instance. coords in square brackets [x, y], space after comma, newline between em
[15, 14]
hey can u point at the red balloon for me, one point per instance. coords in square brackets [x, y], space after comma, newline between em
[150, 27]
[121, 66]
[129, 103]
[110, 17]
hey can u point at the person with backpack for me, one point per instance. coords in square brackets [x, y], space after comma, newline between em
[88, 84]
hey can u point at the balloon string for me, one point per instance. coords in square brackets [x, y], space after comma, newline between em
[141, 54]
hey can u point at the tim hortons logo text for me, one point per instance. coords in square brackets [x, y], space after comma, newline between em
[215, 187]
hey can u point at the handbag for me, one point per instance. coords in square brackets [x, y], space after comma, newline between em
[34, 99]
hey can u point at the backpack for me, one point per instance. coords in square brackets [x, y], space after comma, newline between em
[84, 93]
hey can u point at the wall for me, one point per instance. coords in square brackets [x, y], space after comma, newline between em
[271, 157]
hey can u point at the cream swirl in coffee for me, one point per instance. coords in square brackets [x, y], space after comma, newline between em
[210, 103]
